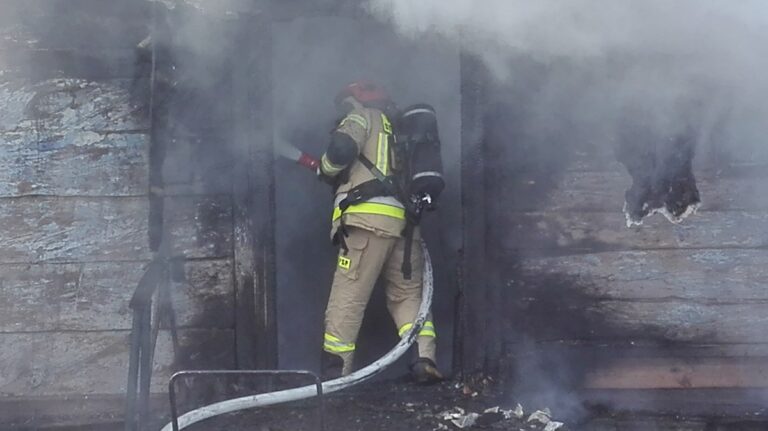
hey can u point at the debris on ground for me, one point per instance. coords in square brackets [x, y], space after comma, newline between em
[459, 417]
[396, 406]
[553, 426]
[541, 416]
[518, 412]
[540, 420]
[466, 421]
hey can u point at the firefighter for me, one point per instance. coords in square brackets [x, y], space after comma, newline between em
[368, 224]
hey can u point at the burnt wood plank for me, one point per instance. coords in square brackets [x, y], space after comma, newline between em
[608, 351]
[95, 296]
[78, 229]
[737, 156]
[52, 107]
[103, 412]
[477, 300]
[71, 229]
[82, 363]
[677, 321]
[198, 165]
[671, 373]
[73, 163]
[254, 197]
[93, 64]
[558, 316]
[587, 232]
[73, 23]
[200, 226]
[734, 408]
[710, 276]
[593, 191]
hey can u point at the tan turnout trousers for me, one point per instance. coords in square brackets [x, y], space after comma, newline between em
[371, 256]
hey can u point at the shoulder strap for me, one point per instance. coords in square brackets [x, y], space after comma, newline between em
[390, 186]
[395, 191]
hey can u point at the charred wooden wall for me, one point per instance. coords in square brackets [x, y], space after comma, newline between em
[591, 303]
[75, 161]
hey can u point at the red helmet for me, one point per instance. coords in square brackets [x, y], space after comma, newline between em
[365, 92]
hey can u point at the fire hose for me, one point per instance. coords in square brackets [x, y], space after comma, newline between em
[296, 394]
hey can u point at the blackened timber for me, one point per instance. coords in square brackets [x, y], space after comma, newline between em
[160, 97]
[474, 290]
[41, 63]
[254, 200]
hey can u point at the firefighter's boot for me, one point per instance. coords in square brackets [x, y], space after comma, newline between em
[332, 366]
[424, 371]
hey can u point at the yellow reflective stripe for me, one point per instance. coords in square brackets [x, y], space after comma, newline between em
[427, 333]
[428, 330]
[359, 119]
[403, 329]
[330, 337]
[382, 153]
[382, 150]
[328, 167]
[385, 124]
[371, 208]
[335, 345]
[328, 347]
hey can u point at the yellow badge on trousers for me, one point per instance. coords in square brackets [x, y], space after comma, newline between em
[345, 263]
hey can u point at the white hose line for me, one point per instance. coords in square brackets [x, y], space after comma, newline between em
[288, 395]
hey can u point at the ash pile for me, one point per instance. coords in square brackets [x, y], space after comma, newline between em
[500, 419]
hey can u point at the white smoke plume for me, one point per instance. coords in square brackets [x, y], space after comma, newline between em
[655, 55]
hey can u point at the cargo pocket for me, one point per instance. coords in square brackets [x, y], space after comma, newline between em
[349, 263]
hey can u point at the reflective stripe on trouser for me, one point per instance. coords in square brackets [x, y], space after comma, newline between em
[334, 344]
[369, 257]
[380, 205]
[428, 330]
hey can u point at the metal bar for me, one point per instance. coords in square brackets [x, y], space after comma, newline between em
[148, 284]
[184, 374]
[145, 367]
[158, 307]
[133, 371]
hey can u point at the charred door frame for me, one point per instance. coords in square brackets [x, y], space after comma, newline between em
[478, 350]
[254, 197]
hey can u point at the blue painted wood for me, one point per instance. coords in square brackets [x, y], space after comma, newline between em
[77, 229]
[57, 364]
[95, 296]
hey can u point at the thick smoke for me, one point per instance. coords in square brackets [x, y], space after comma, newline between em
[688, 74]
[651, 83]
[622, 54]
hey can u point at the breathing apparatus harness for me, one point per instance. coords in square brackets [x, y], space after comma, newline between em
[417, 185]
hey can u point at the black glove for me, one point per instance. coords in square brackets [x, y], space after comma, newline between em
[331, 181]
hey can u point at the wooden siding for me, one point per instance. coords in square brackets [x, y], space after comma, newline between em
[95, 362]
[64, 229]
[635, 301]
[74, 161]
[95, 296]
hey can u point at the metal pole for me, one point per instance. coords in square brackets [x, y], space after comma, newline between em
[133, 372]
[145, 366]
